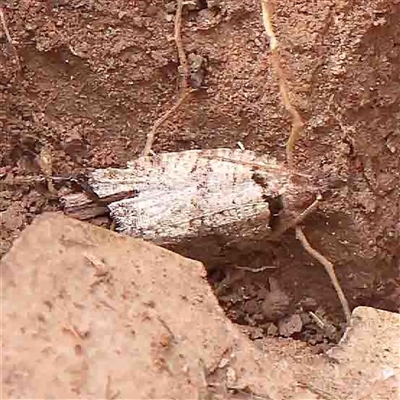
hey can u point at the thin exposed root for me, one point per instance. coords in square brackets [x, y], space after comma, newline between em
[160, 121]
[256, 270]
[329, 269]
[46, 165]
[8, 36]
[297, 122]
[317, 320]
[179, 45]
[297, 125]
[184, 72]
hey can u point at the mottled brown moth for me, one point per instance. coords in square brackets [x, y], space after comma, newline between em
[170, 197]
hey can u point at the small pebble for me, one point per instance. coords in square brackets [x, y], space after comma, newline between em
[276, 303]
[272, 329]
[290, 325]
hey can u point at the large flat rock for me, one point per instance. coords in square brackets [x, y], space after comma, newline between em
[87, 313]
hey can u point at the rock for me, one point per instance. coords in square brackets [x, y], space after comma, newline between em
[170, 7]
[13, 217]
[290, 325]
[256, 333]
[272, 329]
[73, 143]
[79, 303]
[84, 301]
[251, 306]
[6, 199]
[305, 318]
[151, 11]
[276, 302]
[197, 65]
[308, 304]
[214, 3]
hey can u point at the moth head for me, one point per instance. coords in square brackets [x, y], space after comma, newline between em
[287, 193]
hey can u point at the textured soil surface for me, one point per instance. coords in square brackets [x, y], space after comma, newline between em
[91, 314]
[85, 80]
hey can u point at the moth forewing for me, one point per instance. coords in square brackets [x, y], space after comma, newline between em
[187, 211]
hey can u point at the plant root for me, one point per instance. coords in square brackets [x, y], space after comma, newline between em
[329, 268]
[184, 90]
[297, 122]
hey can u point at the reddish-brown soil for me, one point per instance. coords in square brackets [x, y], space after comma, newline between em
[94, 75]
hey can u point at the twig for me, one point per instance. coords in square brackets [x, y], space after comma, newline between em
[329, 269]
[297, 122]
[256, 270]
[183, 84]
[8, 36]
[317, 320]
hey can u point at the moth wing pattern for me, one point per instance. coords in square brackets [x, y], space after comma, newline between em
[185, 193]
[173, 216]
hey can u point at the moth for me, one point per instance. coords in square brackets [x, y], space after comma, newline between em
[171, 197]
